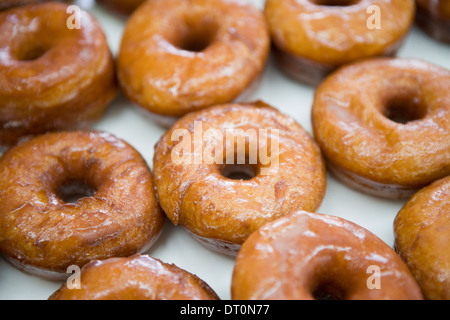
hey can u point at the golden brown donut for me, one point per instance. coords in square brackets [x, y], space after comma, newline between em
[305, 256]
[433, 16]
[422, 238]
[193, 54]
[52, 77]
[313, 37]
[384, 125]
[122, 6]
[264, 165]
[43, 234]
[136, 278]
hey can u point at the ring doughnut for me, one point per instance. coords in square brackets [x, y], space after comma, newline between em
[313, 37]
[422, 235]
[434, 18]
[391, 135]
[212, 52]
[43, 234]
[305, 256]
[136, 278]
[263, 165]
[53, 77]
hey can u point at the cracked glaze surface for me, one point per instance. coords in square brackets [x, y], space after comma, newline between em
[290, 257]
[51, 77]
[422, 238]
[40, 231]
[223, 212]
[136, 278]
[156, 73]
[394, 159]
[335, 35]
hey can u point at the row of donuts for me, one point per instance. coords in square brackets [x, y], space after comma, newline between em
[432, 16]
[285, 252]
[81, 93]
[300, 141]
[290, 254]
[201, 44]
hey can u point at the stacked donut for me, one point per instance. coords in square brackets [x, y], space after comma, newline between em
[242, 178]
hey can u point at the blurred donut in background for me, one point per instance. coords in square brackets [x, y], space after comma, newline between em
[179, 56]
[138, 277]
[52, 77]
[6, 4]
[433, 16]
[311, 38]
[422, 237]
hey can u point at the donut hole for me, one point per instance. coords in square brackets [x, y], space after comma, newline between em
[332, 278]
[72, 191]
[243, 167]
[404, 109]
[239, 171]
[328, 289]
[195, 35]
[32, 51]
[335, 3]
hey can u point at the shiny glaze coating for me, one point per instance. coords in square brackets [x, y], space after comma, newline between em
[193, 54]
[422, 238]
[52, 77]
[306, 256]
[122, 6]
[434, 17]
[221, 212]
[352, 123]
[42, 234]
[312, 39]
[136, 278]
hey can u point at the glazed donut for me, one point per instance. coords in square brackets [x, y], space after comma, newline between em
[313, 37]
[257, 164]
[194, 54]
[305, 256]
[136, 278]
[433, 16]
[422, 236]
[43, 234]
[122, 6]
[384, 125]
[53, 77]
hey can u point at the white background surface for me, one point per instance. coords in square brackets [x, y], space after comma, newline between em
[175, 245]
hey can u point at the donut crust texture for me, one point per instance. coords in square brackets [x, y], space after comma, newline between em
[222, 212]
[43, 234]
[383, 125]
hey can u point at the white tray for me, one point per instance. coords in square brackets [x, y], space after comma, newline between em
[175, 245]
